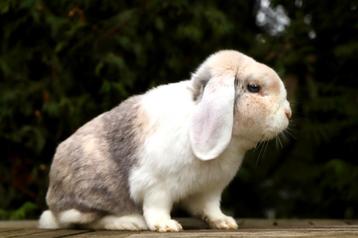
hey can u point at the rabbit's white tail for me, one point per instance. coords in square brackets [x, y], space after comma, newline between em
[48, 221]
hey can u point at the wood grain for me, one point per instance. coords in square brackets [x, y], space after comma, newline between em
[249, 228]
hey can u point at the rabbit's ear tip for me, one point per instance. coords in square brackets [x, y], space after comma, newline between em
[205, 153]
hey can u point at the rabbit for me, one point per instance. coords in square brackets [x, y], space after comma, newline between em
[177, 144]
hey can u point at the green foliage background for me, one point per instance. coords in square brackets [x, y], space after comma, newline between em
[63, 62]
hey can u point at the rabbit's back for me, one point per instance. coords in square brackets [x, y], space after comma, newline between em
[90, 169]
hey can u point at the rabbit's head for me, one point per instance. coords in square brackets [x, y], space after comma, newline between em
[237, 97]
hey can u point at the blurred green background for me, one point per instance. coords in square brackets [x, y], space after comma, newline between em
[63, 62]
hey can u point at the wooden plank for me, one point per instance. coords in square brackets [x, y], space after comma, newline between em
[283, 233]
[293, 223]
[110, 234]
[275, 231]
[249, 228]
[21, 232]
[18, 224]
[40, 233]
[8, 229]
[264, 233]
[59, 233]
[192, 223]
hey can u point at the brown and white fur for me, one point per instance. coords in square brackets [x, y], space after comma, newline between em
[180, 143]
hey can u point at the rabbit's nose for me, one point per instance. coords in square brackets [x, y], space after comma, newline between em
[288, 113]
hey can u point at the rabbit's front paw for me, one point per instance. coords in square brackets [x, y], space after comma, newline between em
[224, 223]
[165, 225]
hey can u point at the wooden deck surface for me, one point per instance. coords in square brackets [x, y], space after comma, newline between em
[194, 228]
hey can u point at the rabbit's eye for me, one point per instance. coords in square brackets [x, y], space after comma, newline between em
[253, 88]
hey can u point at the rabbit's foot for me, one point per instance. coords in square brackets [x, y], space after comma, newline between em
[223, 223]
[165, 225]
[129, 222]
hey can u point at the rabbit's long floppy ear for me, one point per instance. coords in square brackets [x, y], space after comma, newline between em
[212, 121]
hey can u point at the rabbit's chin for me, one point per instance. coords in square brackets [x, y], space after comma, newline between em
[271, 135]
[274, 129]
[251, 140]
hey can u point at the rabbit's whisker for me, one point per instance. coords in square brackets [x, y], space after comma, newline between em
[262, 151]
[280, 140]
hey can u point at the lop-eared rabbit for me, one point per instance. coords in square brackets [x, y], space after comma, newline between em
[180, 143]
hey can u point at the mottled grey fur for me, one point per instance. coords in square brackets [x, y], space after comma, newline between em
[90, 169]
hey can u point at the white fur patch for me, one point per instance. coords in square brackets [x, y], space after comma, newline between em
[166, 160]
[74, 216]
[48, 221]
[129, 222]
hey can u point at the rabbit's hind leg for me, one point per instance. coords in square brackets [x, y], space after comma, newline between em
[72, 217]
[65, 219]
[127, 222]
